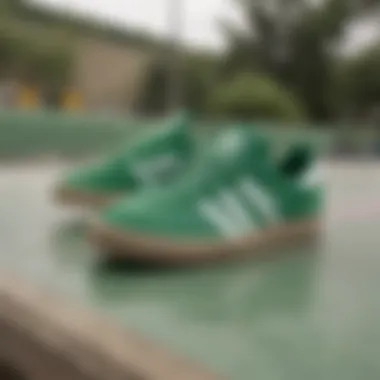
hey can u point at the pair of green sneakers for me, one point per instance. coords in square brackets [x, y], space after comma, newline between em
[180, 202]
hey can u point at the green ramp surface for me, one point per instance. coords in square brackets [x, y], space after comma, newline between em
[314, 315]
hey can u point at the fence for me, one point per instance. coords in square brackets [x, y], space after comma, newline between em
[27, 134]
[24, 134]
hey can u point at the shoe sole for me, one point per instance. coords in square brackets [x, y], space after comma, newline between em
[74, 197]
[129, 245]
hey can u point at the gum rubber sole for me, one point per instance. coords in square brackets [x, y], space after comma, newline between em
[47, 337]
[78, 197]
[130, 245]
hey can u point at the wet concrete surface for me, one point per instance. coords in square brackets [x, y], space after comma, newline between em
[311, 315]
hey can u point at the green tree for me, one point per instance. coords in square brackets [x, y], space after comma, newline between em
[11, 50]
[250, 97]
[30, 56]
[154, 94]
[296, 42]
[360, 81]
[46, 63]
[196, 77]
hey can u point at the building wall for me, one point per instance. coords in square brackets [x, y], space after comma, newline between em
[108, 75]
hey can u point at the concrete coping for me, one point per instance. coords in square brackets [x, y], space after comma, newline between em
[90, 343]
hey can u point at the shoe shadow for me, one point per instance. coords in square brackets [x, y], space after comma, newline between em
[131, 266]
[111, 265]
[282, 280]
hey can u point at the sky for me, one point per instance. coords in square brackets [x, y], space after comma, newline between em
[200, 26]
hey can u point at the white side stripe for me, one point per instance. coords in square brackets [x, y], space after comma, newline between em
[221, 221]
[236, 211]
[257, 197]
[227, 212]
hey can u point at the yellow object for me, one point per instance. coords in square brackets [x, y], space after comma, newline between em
[71, 100]
[28, 98]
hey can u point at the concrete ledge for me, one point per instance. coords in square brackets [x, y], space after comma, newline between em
[50, 338]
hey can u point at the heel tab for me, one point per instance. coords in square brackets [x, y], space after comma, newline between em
[314, 175]
[297, 161]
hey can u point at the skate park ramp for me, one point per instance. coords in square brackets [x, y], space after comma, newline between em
[312, 315]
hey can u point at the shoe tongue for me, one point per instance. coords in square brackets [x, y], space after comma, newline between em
[179, 121]
[238, 146]
[172, 131]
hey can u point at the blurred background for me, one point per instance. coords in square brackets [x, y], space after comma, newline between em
[284, 63]
[79, 76]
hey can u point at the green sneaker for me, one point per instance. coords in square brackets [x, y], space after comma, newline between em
[236, 199]
[154, 160]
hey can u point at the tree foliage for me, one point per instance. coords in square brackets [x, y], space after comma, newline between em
[197, 74]
[360, 80]
[251, 96]
[295, 41]
[31, 56]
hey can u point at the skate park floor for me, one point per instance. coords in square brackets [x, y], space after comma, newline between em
[312, 315]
